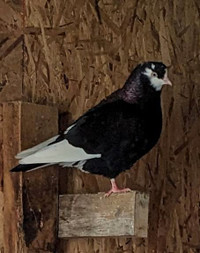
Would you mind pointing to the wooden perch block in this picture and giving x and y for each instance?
(93, 215)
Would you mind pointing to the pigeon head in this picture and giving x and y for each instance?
(155, 74)
(146, 79)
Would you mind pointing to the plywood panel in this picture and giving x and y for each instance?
(11, 74)
(11, 21)
(98, 48)
(11, 47)
(166, 35)
(76, 52)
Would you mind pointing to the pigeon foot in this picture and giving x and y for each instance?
(115, 189)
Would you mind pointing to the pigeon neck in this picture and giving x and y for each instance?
(131, 94)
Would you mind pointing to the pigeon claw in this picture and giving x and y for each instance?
(115, 188)
(117, 191)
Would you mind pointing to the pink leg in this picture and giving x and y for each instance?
(115, 188)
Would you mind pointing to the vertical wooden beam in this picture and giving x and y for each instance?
(12, 184)
(40, 187)
(30, 199)
(1, 179)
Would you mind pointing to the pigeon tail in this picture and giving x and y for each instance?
(29, 167)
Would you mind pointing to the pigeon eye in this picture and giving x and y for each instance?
(154, 74)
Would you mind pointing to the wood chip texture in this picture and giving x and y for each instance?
(73, 53)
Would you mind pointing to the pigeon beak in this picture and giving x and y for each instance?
(167, 81)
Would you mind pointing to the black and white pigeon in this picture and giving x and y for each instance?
(110, 137)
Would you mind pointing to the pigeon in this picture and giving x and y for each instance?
(110, 137)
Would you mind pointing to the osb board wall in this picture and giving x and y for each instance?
(76, 52)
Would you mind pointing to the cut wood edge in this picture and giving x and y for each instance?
(141, 214)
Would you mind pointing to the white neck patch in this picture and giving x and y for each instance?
(156, 82)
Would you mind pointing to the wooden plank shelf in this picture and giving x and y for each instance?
(93, 215)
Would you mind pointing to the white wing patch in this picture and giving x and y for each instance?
(40, 146)
(61, 152)
(36, 148)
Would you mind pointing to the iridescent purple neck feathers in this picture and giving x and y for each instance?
(131, 93)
